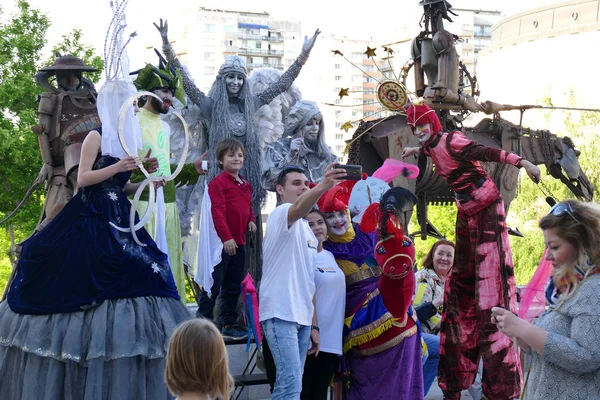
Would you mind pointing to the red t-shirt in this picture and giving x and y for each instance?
(231, 207)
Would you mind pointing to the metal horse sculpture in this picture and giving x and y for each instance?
(387, 137)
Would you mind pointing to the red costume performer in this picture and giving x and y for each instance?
(483, 277)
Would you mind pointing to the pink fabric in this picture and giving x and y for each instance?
(249, 288)
(533, 297)
(391, 168)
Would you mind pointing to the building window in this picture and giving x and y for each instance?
(339, 136)
(209, 70)
(338, 101)
(337, 114)
(338, 77)
(338, 125)
(209, 56)
(338, 66)
(209, 27)
(339, 148)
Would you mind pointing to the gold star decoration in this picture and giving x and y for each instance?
(370, 52)
(337, 52)
(389, 50)
(343, 92)
(346, 127)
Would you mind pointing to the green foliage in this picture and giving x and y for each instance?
(71, 44)
(22, 40)
(444, 219)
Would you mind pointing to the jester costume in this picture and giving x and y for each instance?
(483, 275)
(164, 225)
(382, 344)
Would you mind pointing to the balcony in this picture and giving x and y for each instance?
(260, 52)
(252, 66)
(274, 38)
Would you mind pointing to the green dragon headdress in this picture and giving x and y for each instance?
(165, 76)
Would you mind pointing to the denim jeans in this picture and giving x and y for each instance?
(430, 368)
(289, 344)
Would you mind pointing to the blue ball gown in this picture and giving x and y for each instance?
(90, 312)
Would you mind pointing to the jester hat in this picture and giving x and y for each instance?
(336, 198)
(165, 76)
(422, 114)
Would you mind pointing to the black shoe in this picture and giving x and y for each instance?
(234, 332)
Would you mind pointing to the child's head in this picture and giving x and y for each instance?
(197, 360)
(230, 154)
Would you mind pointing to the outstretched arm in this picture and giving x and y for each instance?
(288, 77)
(466, 149)
(192, 91)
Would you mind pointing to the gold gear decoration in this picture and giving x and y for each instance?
(392, 95)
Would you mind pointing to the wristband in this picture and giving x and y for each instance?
(316, 328)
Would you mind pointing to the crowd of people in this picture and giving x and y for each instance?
(95, 310)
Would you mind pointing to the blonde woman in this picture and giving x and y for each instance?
(197, 366)
(564, 341)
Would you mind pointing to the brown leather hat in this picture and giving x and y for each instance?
(70, 63)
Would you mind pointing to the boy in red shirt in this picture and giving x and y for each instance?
(231, 209)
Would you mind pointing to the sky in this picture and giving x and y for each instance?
(332, 17)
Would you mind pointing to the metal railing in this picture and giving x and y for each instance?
(243, 50)
(246, 36)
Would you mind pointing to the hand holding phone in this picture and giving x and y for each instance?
(353, 172)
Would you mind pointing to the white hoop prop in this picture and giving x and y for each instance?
(149, 181)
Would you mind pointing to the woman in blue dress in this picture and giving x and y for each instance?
(90, 312)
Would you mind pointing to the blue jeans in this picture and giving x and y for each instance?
(430, 368)
(289, 343)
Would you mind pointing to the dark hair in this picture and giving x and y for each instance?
(316, 210)
(227, 145)
(428, 261)
(282, 177)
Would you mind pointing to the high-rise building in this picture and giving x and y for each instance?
(204, 37)
(327, 73)
(474, 28)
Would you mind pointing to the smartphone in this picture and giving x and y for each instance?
(353, 172)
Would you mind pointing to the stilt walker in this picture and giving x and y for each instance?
(483, 277)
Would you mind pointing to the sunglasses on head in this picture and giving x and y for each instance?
(561, 209)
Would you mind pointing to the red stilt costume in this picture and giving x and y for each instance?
(483, 276)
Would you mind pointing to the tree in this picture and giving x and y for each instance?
(71, 44)
(22, 40)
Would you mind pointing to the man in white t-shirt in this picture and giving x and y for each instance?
(287, 288)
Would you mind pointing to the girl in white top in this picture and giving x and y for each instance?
(330, 298)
